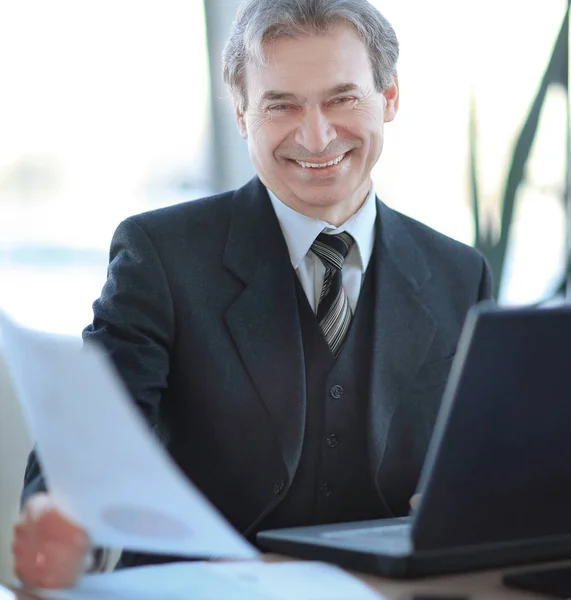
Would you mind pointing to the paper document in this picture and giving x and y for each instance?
(222, 581)
(105, 467)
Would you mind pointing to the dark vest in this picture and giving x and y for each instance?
(333, 482)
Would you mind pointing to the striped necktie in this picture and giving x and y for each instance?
(333, 312)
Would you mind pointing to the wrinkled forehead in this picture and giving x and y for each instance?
(310, 64)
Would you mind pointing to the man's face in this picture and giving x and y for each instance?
(314, 122)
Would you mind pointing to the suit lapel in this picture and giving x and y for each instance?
(264, 319)
(403, 325)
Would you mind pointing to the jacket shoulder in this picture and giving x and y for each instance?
(433, 241)
(194, 214)
(452, 264)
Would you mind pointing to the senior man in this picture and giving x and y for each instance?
(288, 341)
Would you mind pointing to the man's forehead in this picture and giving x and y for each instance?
(306, 75)
(283, 94)
(296, 85)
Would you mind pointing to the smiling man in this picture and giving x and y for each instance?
(288, 341)
(313, 117)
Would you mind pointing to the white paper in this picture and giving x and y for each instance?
(106, 469)
(295, 580)
(222, 581)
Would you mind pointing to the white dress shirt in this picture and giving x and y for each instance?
(300, 232)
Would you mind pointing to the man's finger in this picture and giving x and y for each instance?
(53, 525)
(50, 523)
(52, 566)
(49, 549)
(415, 501)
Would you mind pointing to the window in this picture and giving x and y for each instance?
(494, 53)
(104, 113)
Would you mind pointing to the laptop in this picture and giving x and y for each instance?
(496, 482)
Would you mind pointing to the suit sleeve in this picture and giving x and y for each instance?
(134, 321)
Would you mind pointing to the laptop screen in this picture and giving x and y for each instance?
(499, 462)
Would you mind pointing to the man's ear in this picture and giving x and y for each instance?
(391, 95)
(241, 121)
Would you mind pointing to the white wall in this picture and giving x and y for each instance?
(14, 447)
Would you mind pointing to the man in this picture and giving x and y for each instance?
(289, 341)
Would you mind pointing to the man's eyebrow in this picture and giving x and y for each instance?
(275, 95)
(343, 88)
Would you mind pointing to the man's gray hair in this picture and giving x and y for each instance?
(261, 21)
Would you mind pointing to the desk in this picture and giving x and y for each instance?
(483, 585)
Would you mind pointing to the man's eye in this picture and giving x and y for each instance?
(343, 100)
(279, 107)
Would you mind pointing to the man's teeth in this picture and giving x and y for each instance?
(308, 165)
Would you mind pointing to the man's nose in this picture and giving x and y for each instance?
(315, 132)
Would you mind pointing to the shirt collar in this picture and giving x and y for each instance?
(300, 230)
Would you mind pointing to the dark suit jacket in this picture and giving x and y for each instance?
(199, 313)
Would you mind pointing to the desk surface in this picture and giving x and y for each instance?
(484, 585)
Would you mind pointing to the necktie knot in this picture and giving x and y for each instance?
(332, 249)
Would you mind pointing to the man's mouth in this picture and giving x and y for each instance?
(321, 165)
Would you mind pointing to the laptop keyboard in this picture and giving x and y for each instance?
(377, 532)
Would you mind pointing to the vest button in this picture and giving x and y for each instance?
(336, 391)
(325, 490)
(332, 440)
(279, 487)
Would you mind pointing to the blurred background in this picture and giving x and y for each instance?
(114, 107)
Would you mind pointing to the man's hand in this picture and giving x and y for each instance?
(49, 550)
(415, 501)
